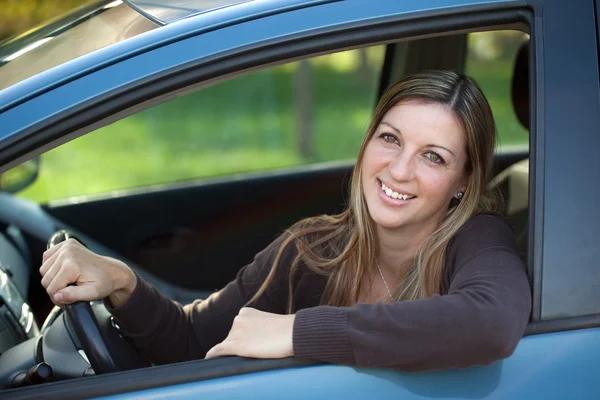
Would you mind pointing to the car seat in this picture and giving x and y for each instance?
(513, 182)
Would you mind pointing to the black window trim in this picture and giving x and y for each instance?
(536, 160)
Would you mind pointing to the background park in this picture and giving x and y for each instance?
(289, 115)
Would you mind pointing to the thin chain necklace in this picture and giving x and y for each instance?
(385, 283)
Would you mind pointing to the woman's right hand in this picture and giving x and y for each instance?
(95, 276)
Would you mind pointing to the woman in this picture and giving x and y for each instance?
(418, 273)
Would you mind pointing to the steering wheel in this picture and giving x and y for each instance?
(87, 330)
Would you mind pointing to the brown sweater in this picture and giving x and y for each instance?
(479, 317)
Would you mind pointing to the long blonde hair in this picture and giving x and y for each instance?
(344, 247)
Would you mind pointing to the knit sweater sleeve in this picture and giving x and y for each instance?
(164, 331)
(479, 320)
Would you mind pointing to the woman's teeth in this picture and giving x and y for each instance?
(394, 195)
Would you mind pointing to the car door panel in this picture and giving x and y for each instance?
(199, 235)
(560, 365)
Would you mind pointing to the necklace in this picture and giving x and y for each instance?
(385, 283)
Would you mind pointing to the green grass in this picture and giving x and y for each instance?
(247, 124)
(494, 79)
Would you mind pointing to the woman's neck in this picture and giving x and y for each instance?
(397, 248)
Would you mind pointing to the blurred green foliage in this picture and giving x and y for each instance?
(251, 123)
(243, 125)
(18, 16)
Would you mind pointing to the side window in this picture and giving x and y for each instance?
(303, 112)
(490, 61)
(499, 62)
(309, 111)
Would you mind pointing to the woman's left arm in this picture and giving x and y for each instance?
(481, 318)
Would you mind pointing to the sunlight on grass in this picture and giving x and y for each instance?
(121, 171)
(347, 61)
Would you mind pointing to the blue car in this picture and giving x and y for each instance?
(182, 136)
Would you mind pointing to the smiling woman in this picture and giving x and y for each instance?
(415, 153)
(418, 253)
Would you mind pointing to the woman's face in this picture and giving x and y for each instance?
(413, 165)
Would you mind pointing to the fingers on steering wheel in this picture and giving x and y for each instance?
(59, 248)
(52, 251)
(48, 262)
(69, 273)
(71, 294)
(49, 274)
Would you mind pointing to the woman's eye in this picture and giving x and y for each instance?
(389, 138)
(434, 157)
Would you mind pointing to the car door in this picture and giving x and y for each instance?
(558, 357)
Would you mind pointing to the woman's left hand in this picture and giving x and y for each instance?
(257, 334)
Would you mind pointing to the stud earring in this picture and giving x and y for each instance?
(460, 194)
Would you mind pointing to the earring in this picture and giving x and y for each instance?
(460, 194)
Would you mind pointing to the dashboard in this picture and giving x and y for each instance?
(30, 354)
(17, 322)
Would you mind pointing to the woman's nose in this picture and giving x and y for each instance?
(402, 167)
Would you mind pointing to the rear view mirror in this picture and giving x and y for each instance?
(21, 176)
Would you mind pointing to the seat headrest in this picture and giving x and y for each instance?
(520, 85)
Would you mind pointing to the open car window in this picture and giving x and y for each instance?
(305, 112)
(285, 137)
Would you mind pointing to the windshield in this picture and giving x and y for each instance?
(88, 29)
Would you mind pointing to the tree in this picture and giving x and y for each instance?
(18, 16)
(303, 96)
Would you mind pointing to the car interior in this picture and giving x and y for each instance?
(191, 238)
(513, 181)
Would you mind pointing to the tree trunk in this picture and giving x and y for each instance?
(303, 94)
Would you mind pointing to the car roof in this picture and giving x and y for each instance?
(195, 24)
(166, 11)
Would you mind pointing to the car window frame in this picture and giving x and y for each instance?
(557, 304)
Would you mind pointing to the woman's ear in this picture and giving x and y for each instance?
(462, 188)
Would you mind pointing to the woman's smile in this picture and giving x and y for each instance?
(393, 196)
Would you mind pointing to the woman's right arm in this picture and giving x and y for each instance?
(161, 329)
